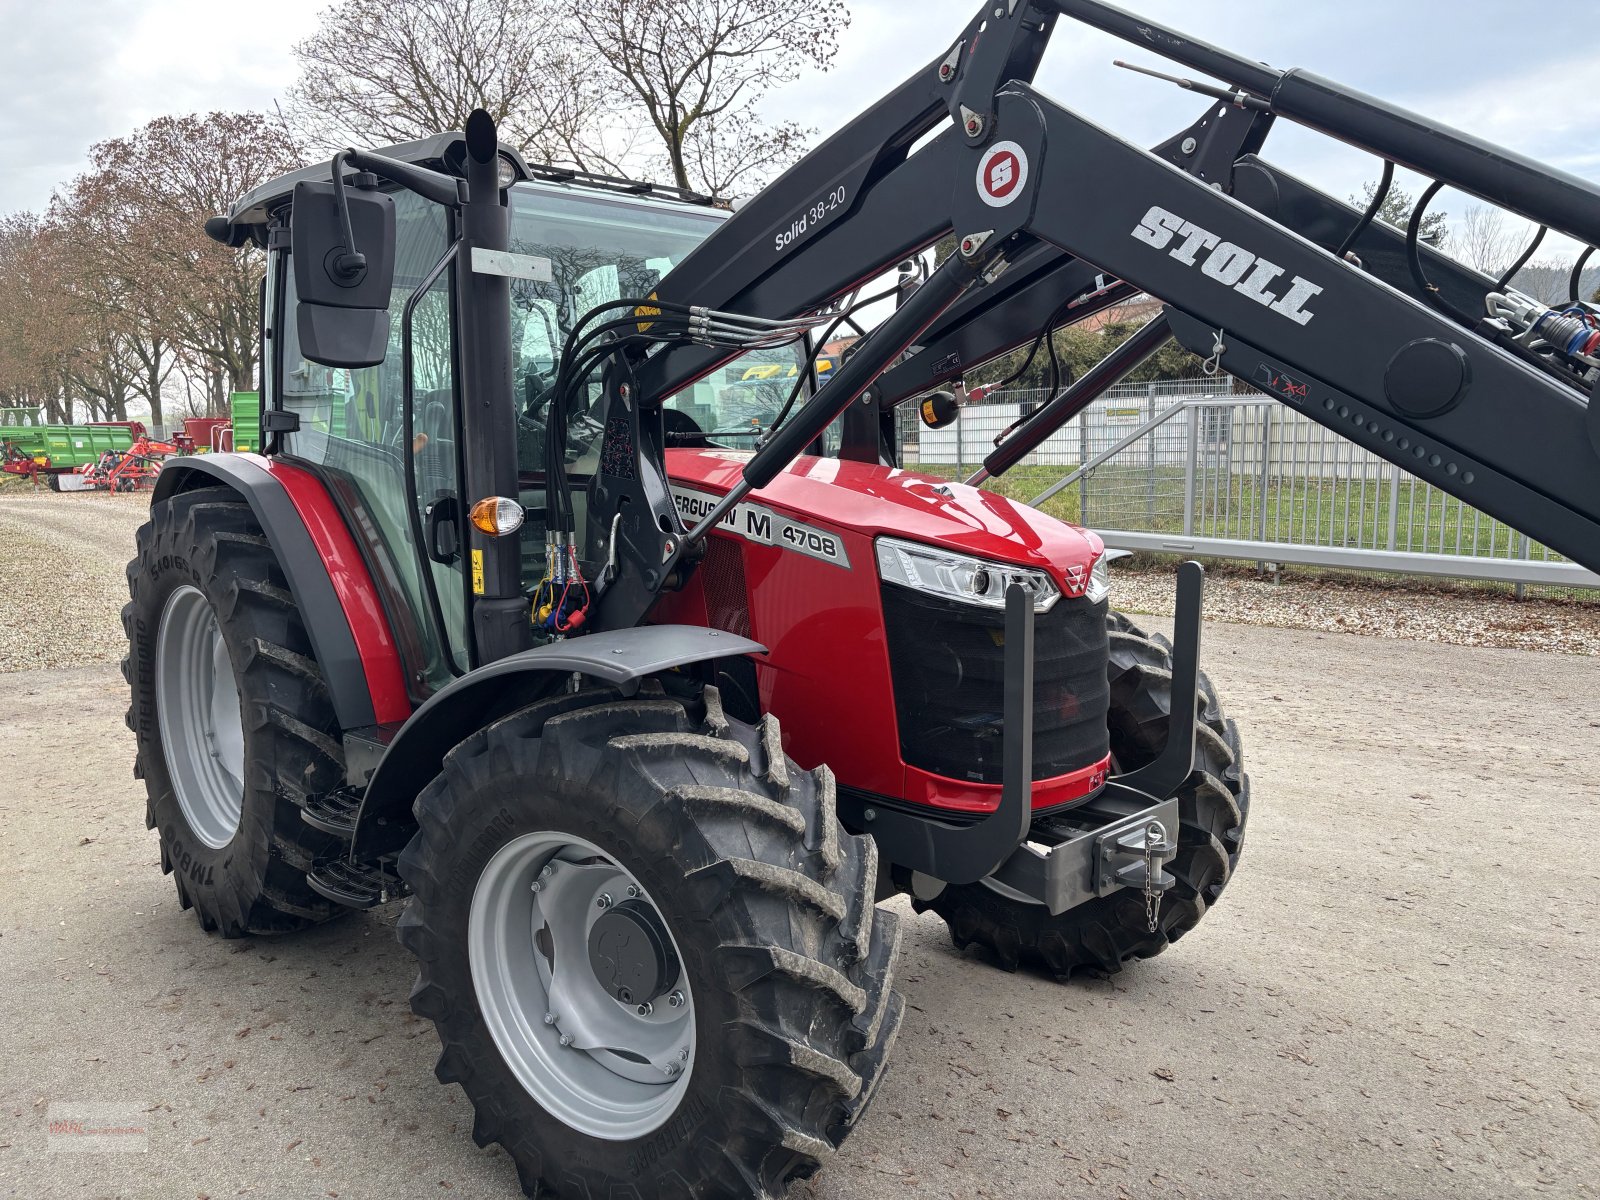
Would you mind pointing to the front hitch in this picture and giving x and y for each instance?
(1126, 834)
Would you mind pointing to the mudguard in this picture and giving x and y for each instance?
(623, 658)
(329, 581)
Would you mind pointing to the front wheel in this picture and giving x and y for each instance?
(1213, 804)
(651, 953)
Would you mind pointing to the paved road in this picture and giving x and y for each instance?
(1397, 997)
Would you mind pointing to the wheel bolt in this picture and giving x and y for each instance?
(676, 999)
(671, 1069)
(566, 1039)
(537, 887)
(605, 900)
(549, 870)
(683, 1055)
(646, 1009)
(633, 889)
(549, 1018)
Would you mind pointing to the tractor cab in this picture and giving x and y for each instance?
(387, 438)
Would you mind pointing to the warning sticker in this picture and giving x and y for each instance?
(477, 572)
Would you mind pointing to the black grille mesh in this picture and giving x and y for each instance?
(727, 594)
(948, 663)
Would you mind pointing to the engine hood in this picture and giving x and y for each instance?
(872, 500)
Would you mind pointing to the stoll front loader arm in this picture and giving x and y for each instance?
(1399, 351)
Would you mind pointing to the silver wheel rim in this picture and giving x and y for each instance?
(197, 708)
(603, 1067)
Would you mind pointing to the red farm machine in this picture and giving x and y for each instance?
(644, 719)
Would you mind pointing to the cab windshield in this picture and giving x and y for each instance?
(602, 249)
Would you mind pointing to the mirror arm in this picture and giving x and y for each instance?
(351, 262)
(430, 185)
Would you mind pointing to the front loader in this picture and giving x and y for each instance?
(569, 602)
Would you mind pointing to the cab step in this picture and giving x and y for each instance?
(357, 885)
(333, 812)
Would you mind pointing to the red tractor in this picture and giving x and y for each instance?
(645, 719)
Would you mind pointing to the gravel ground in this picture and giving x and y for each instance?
(1396, 997)
(1390, 607)
(61, 583)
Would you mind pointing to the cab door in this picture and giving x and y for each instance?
(398, 482)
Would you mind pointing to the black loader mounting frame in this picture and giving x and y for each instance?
(1353, 323)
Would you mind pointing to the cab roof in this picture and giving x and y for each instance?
(446, 152)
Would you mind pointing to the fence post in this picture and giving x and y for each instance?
(1266, 463)
(961, 468)
(1189, 460)
(1394, 503)
(1150, 457)
(1083, 457)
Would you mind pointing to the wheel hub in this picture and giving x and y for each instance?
(631, 953)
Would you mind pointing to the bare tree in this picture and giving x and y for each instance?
(39, 331)
(1485, 240)
(140, 216)
(1396, 208)
(700, 67)
(396, 70)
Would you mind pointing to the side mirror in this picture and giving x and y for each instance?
(342, 314)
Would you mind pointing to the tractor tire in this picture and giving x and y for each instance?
(217, 647)
(1213, 806)
(781, 964)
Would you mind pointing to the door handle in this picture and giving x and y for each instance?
(442, 530)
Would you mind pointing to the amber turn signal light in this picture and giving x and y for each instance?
(495, 516)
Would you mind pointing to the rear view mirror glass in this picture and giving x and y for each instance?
(342, 314)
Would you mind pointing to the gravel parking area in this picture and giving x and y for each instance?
(1390, 607)
(61, 582)
(1395, 998)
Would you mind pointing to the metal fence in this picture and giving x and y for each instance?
(1186, 467)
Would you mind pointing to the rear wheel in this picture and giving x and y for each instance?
(231, 715)
(1213, 805)
(651, 953)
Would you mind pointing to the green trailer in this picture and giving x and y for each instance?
(53, 449)
(246, 408)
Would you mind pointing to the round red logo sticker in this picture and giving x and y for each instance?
(1001, 173)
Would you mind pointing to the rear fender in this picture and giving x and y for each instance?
(332, 588)
(623, 658)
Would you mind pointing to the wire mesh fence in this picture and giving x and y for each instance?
(1239, 475)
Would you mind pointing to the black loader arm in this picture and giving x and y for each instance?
(1044, 203)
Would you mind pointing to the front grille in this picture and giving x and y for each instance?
(948, 665)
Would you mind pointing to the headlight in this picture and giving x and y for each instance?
(1099, 580)
(958, 577)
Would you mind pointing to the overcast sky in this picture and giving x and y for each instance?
(79, 71)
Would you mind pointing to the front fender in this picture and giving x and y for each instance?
(623, 658)
(330, 583)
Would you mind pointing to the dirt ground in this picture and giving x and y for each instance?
(1396, 997)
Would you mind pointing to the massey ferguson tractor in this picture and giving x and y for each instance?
(642, 720)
